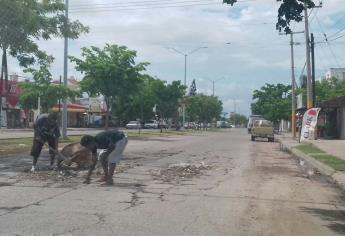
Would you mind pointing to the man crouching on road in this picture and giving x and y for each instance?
(46, 129)
(112, 143)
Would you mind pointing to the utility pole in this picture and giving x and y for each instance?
(293, 93)
(64, 112)
(293, 83)
(310, 96)
(312, 45)
(307, 44)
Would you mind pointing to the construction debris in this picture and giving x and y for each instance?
(178, 172)
(50, 176)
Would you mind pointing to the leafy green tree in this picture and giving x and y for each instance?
(153, 91)
(42, 87)
(238, 119)
(25, 22)
(289, 10)
(169, 99)
(139, 104)
(203, 108)
(325, 90)
(111, 72)
(273, 102)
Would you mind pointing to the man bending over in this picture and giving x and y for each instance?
(112, 144)
(46, 129)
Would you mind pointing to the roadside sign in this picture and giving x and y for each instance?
(309, 123)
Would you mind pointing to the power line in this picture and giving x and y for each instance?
(94, 10)
(340, 19)
(137, 4)
(335, 34)
(146, 5)
(341, 36)
(327, 42)
(122, 3)
(303, 69)
(315, 13)
(322, 57)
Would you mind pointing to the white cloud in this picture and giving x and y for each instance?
(256, 55)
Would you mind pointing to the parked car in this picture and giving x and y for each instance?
(262, 129)
(223, 124)
(190, 125)
(251, 121)
(151, 124)
(163, 124)
(133, 125)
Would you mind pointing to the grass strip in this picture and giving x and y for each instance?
(22, 145)
(329, 160)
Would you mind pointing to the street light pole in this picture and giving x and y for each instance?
(185, 75)
(213, 85)
(185, 70)
(64, 111)
(213, 82)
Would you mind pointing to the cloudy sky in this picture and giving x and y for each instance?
(244, 50)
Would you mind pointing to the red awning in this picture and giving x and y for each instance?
(77, 108)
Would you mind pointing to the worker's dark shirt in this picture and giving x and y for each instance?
(107, 138)
(45, 130)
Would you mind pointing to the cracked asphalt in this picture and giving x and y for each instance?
(248, 188)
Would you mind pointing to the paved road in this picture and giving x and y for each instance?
(244, 188)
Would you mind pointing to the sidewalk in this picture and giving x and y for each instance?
(5, 130)
(333, 147)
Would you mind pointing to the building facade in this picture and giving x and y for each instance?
(338, 73)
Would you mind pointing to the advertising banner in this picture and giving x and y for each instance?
(309, 123)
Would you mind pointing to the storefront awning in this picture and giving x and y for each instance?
(75, 108)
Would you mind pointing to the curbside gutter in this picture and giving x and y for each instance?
(336, 177)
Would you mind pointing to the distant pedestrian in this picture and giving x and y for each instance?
(46, 129)
(112, 144)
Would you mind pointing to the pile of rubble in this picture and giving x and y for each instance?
(51, 176)
(178, 172)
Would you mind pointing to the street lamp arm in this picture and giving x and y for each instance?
(177, 51)
(197, 49)
(219, 79)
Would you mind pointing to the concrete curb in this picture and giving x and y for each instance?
(334, 176)
(324, 169)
